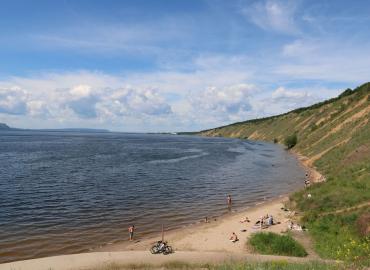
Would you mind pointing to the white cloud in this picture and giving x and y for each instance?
(38, 108)
(282, 94)
(222, 104)
(13, 101)
(220, 90)
(135, 102)
(273, 15)
(282, 100)
(81, 101)
(80, 91)
(325, 59)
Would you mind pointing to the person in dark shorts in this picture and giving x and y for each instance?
(131, 230)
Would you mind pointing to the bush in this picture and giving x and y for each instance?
(291, 141)
(275, 244)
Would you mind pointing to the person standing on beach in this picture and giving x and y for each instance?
(131, 230)
(229, 200)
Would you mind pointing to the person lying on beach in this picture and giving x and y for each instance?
(295, 227)
(246, 219)
(234, 237)
(259, 224)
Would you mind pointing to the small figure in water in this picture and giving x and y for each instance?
(131, 230)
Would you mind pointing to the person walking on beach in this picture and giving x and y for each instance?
(131, 230)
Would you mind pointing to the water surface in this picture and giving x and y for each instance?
(66, 192)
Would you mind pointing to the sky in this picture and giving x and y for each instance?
(175, 65)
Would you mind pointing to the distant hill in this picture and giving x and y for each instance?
(4, 126)
(87, 130)
(335, 137)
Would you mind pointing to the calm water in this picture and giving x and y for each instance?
(70, 192)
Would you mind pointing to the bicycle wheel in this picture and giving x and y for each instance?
(167, 250)
(154, 250)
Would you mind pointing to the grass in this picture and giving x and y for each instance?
(274, 244)
(278, 265)
(273, 265)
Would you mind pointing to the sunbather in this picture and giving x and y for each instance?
(246, 219)
(234, 237)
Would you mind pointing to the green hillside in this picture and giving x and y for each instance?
(335, 137)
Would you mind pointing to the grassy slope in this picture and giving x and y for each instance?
(335, 136)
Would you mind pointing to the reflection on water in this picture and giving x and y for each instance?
(70, 192)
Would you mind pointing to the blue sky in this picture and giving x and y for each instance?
(172, 65)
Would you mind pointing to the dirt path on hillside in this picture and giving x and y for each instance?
(361, 205)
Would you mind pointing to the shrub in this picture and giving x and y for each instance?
(313, 127)
(291, 141)
(275, 244)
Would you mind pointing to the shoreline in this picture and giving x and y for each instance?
(314, 176)
(196, 237)
(172, 234)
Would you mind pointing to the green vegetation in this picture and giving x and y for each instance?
(335, 136)
(291, 141)
(274, 244)
(273, 265)
(277, 265)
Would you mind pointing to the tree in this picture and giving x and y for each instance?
(291, 141)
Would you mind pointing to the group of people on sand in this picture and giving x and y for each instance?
(264, 222)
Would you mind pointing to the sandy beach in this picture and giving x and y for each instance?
(201, 243)
(210, 239)
(214, 236)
